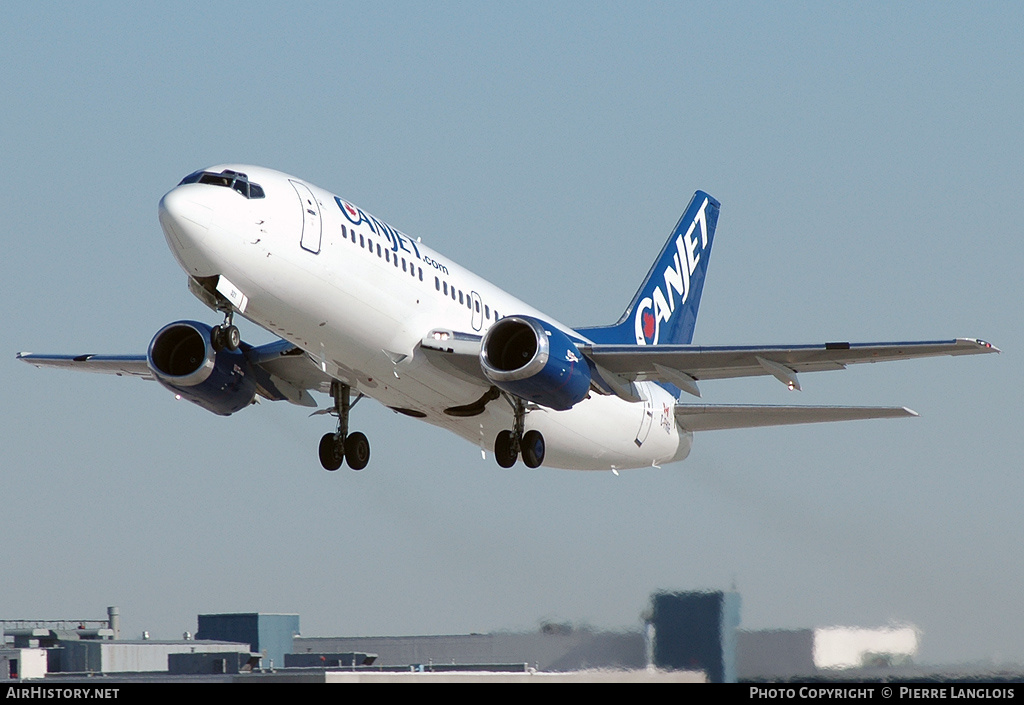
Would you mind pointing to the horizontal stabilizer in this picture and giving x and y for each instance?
(701, 417)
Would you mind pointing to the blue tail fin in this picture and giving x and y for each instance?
(664, 310)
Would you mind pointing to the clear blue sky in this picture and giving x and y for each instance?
(868, 160)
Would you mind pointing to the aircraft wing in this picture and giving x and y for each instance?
(455, 353)
(702, 417)
(284, 372)
(684, 365)
(120, 365)
(287, 372)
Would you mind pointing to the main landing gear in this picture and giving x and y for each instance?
(509, 444)
(336, 448)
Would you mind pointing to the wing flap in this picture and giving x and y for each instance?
(702, 417)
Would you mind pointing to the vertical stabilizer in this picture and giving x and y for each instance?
(664, 310)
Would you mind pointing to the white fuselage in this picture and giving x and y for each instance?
(359, 296)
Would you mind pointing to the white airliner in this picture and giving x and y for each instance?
(362, 309)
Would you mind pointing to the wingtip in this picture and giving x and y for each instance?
(984, 345)
(911, 412)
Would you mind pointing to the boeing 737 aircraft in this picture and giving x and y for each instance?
(362, 309)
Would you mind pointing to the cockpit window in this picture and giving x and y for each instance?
(216, 180)
(191, 178)
(232, 179)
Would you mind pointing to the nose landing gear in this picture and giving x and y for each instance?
(226, 335)
(336, 448)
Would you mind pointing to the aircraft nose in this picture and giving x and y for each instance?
(185, 220)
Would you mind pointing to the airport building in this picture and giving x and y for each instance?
(685, 637)
(239, 643)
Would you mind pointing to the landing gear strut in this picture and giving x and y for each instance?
(509, 444)
(337, 447)
(226, 335)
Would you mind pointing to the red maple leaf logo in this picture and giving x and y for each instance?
(648, 321)
(350, 209)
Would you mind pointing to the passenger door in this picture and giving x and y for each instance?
(312, 225)
(478, 311)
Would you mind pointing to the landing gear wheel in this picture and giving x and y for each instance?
(217, 338)
(225, 337)
(533, 449)
(232, 338)
(357, 450)
(504, 451)
(330, 457)
(337, 447)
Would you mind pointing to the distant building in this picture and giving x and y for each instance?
(136, 656)
(775, 654)
(267, 634)
(856, 647)
(696, 631)
(686, 632)
(552, 648)
(22, 664)
(808, 652)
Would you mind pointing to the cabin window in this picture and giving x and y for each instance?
(487, 312)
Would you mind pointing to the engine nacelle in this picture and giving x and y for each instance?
(183, 359)
(535, 361)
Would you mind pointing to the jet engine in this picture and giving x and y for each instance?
(535, 361)
(184, 359)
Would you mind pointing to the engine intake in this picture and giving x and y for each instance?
(533, 360)
(183, 359)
